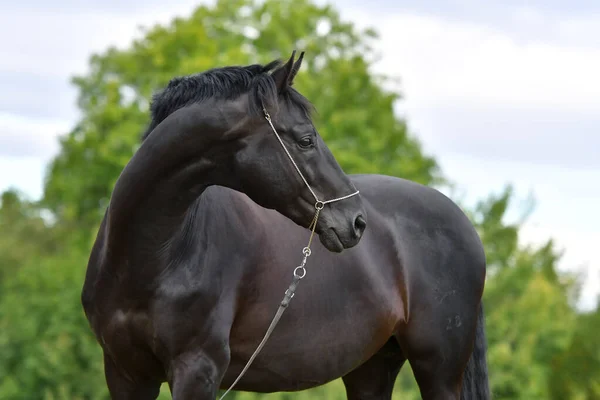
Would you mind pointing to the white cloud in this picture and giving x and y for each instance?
(449, 64)
(62, 41)
(24, 174)
(26, 137)
(582, 31)
(442, 61)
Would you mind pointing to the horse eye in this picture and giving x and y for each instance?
(306, 141)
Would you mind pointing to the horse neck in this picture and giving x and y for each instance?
(157, 187)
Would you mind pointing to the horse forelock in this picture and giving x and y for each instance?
(223, 83)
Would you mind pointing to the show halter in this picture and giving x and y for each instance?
(299, 271)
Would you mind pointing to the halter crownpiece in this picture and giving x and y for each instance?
(299, 271)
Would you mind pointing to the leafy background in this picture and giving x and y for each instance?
(540, 345)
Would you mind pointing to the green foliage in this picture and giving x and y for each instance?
(580, 361)
(47, 350)
(539, 346)
(355, 115)
(529, 316)
(23, 233)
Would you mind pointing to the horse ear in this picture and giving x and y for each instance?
(295, 69)
(282, 74)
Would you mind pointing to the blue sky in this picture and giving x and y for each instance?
(499, 91)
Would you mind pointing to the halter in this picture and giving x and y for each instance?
(299, 271)
(319, 204)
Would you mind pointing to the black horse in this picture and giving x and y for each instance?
(207, 222)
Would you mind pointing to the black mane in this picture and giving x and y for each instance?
(223, 83)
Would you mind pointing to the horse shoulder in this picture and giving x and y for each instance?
(430, 230)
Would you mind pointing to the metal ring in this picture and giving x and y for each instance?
(306, 251)
(319, 205)
(297, 275)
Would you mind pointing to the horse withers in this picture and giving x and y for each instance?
(207, 222)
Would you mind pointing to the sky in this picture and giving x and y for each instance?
(500, 92)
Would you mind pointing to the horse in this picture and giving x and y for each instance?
(203, 230)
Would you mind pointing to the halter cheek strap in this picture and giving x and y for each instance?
(319, 203)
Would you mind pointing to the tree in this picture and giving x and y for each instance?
(355, 118)
(529, 315)
(24, 232)
(47, 350)
(576, 370)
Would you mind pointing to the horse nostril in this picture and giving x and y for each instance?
(359, 225)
